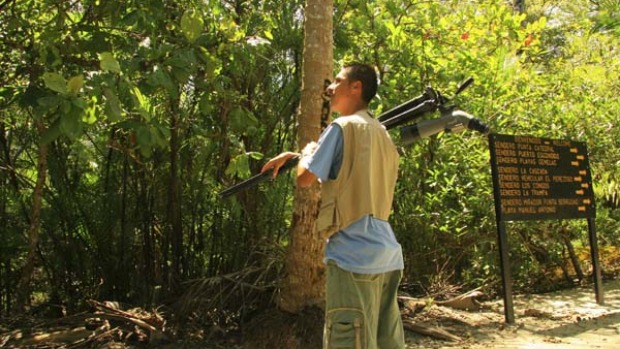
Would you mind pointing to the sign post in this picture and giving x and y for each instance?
(539, 179)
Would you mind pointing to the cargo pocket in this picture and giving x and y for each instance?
(327, 223)
(345, 329)
(327, 219)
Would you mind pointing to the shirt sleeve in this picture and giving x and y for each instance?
(326, 160)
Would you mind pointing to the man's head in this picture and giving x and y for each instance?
(364, 74)
(354, 87)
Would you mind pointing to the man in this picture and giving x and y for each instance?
(357, 164)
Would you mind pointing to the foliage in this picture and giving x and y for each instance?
(151, 107)
(532, 76)
(134, 95)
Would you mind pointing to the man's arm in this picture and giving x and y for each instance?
(321, 164)
(305, 178)
(276, 162)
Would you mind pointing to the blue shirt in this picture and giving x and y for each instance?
(368, 245)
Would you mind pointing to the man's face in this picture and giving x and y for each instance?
(343, 92)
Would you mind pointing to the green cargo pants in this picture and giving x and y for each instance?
(361, 310)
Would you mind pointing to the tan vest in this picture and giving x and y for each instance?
(366, 180)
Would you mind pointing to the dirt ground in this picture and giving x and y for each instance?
(564, 319)
(568, 319)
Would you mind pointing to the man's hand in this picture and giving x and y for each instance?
(277, 162)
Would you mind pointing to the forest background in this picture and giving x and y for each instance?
(121, 121)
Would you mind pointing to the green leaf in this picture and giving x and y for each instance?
(144, 106)
(212, 64)
(70, 123)
(50, 102)
(80, 103)
(191, 25)
(239, 166)
(241, 120)
(109, 63)
(90, 116)
(113, 107)
(145, 140)
(51, 133)
(75, 83)
(158, 134)
(230, 28)
(255, 155)
(143, 134)
(55, 82)
(160, 78)
(181, 74)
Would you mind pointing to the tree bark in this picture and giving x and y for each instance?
(564, 235)
(23, 287)
(304, 284)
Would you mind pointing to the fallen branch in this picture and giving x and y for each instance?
(73, 337)
(414, 305)
(431, 331)
(98, 335)
(466, 301)
(155, 331)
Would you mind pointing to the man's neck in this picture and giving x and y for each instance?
(354, 107)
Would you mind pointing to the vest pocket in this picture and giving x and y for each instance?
(327, 220)
(345, 329)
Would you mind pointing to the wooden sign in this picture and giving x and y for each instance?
(537, 178)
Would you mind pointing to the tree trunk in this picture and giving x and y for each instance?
(23, 287)
(175, 228)
(304, 284)
(564, 235)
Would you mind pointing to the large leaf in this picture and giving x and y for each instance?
(160, 78)
(109, 63)
(239, 166)
(71, 120)
(90, 114)
(191, 25)
(113, 107)
(50, 102)
(143, 103)
(75, 83)
(241, 120)
(55, 82)
(51, 133)
(145, 139)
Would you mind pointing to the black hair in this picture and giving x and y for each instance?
(366, 75)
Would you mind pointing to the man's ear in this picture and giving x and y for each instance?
(357, 87)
